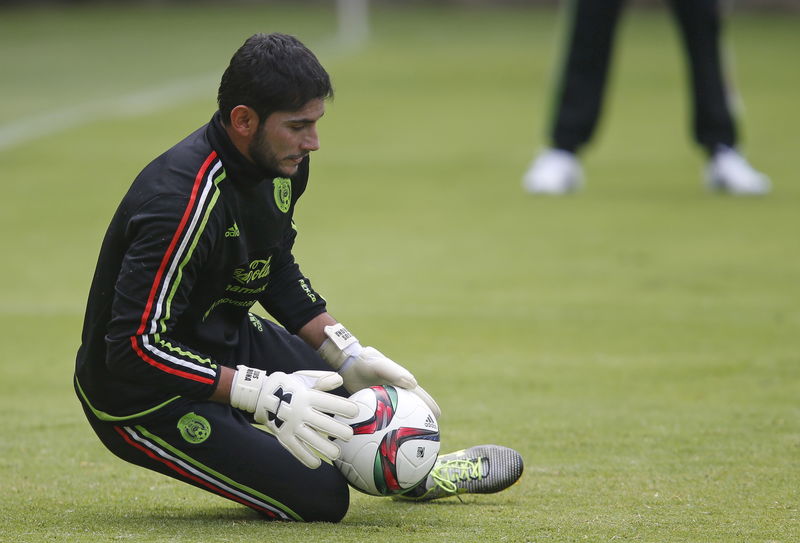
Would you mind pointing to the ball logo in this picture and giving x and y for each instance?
(194, 428)
(283, 193)
(385, 468)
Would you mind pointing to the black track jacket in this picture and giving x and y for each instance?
(199, 238)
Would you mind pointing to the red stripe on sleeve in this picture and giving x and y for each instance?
(168, 254)
(168, 369)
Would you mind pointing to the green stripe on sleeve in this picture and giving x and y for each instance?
(190, 252)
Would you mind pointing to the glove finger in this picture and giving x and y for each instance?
(327, 425)
(429, 401)
(329, 381)
(320, 380)
(300, 451)
(388, 370)
(315, 440)
(398, 377)
(330, 403)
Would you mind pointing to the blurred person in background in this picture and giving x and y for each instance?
(579, 97)
(174, 369)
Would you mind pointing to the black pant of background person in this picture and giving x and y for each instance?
(583, 81)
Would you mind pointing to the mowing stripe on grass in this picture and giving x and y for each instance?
(138, 103)
(134, 104)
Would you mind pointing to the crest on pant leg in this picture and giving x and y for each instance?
(194, 428)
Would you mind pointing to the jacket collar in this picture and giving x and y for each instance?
(237, 167)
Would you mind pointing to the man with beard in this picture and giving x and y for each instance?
(174, 368)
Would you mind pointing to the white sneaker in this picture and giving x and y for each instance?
(554, 171)
(730, 172)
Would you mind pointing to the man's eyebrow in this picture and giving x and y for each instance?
(303, 120)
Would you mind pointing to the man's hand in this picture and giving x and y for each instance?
(363, 367)
(296, 409)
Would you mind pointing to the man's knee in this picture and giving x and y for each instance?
(328, 501)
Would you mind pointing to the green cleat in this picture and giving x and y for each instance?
(482, 469)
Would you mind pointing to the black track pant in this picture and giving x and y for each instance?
(216, 448)
(583, 80)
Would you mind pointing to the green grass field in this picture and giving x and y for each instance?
(638, 342)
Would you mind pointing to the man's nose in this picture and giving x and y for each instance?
(311, 141)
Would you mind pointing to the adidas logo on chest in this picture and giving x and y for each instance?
(233, 231)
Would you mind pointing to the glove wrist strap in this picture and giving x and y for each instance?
(246, 388)
(339, 346)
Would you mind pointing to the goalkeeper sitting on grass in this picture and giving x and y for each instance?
(173, 368)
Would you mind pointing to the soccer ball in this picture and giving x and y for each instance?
(395, 441)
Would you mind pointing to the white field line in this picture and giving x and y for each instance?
(137, 103)
(144, 101)
(42, 309)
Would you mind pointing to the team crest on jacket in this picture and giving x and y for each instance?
(283, 193)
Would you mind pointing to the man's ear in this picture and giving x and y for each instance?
(244, 121)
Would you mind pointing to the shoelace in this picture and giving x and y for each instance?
(462, 470)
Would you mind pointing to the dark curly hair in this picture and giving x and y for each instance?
(269, 73)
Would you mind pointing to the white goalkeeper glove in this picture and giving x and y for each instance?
(296, 409)
(363, 367)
